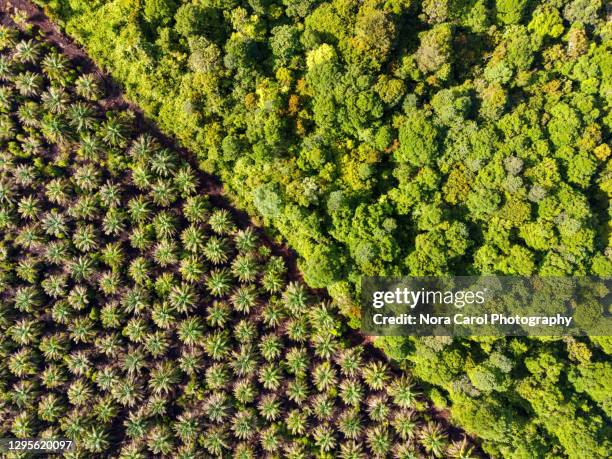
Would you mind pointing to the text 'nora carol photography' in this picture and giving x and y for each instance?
(486, 306)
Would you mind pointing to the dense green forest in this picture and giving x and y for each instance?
(384, 137)
(139, 319)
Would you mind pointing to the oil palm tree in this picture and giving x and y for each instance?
(324, 438)
(269, 407)
(82, 329)
(163, 192)
(433, 439)
(82, 267)
(29, 114)
(157, 343)
(87, 177)
(244, 391)
(324, 376)
(160, 440)
(219, 282)
(190, 361)
(404, 423)
(135, 300)
(28, 84)
(23, 425)
(165, 225)
(215, 440)
(403, 392)
(112, 254)
(183, 298)
(139, 209)
(244, 298)
(85, 238)
(190, 331)
(245, 331)
(143, 147)
(27, 52)
(351, 449)
(191, 269)
(196, 209)
(51, 407)
(54, 223)
(8, 37)
(378, 441)
(244, 268)
(273, 314)
(55, 100)
(349, 422)
(56, 191)
(110, 344)
(217, 344)
(297, 361)
(162, 162)
(90, 147)
(187, 427)
(113, 222)
(461, 450)
(351, 392)
(349, 360)
(105, 409)
(114, 130)
(55, 130)
(216, 250)
(127, 391)
(6, 70)
(54, 285)
(218, 314)
(7, 128)
(216, 407)
(185, 181)
(54, 346)
(24, 175)
(375, 374)
(88, 87)
(79, 392)
(378, 408)
(322, 407)
(57, 68)
(106, 378)
(164, 315)
(270, 376)
(295, 298)
(297, 329)
(295, 450)
(244, 424)
(141, 237)
(297, 422)
(269, 439)
(193, 239)
(221, 222)
(81, 117)
(297, 390)
(246, 240)
(325, 344)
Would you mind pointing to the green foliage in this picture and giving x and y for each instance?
(417, 137)
(139, 319)
(510, 11)
(475, 132)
